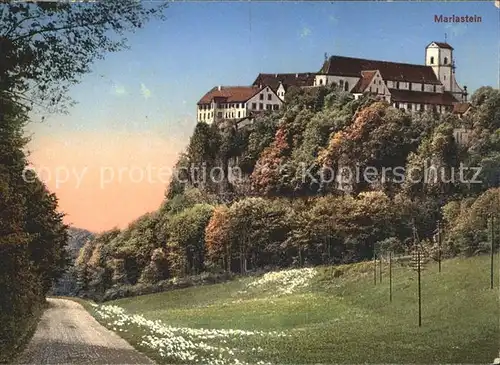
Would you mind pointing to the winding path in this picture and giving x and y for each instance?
(68, 334)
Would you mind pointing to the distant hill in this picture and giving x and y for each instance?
(77, 238)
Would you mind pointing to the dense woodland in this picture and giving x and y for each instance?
(273, 218)
(44, 49)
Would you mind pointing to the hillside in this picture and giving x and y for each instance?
(277, 194)
(320, 315)
(77, 239)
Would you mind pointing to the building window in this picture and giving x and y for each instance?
(261, 106)
(422, 87)
(268, 107)
(376, 90)
(346, 86)
(434, 88)
(341, 83)
(410, 86)
(444, 77)
(446, 60)
(321, 81)
(276, 106)
(261, 96)
(254, 106)
(219, 115)
(432, 60)
(211, 114)
(422, 107)
(397, 85)
(238, 114)
(269, 96)
(396, 104)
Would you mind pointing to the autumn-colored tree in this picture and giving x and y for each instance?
(266, 177)
(218, 238)
(468, 229)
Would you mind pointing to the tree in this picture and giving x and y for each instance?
(266, 177)
(186, 246)
(33, 35)
(218, 239)
(50, 234)
(467, 224)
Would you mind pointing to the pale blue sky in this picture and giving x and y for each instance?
(155, 84)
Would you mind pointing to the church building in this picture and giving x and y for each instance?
(411, 87)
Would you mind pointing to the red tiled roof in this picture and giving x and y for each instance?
(461, 108)
(364, 81)
(230, 94)
(442, 45)
(348, 66)
(422, 97)
(273, 80)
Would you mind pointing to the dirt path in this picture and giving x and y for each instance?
(68, 334)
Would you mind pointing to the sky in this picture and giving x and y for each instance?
(108, 160)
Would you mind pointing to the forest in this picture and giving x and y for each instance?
(45, 48)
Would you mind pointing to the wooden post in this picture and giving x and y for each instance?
(374, 268)
(439, 245)
(492, 238)
(390, 276)
(419, 291)
(380, 267)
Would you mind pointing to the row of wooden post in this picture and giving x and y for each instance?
(439, 240)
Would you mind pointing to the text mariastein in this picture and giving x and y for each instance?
(457, 19)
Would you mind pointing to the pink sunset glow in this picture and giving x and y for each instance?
(104, 180)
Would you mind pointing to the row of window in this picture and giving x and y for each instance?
(269, 96)
(261, 106)
(206, 116)
(342, 85)
(239, 114)
(415, 86)
(420, 107)
(222, 106)
(445, 60)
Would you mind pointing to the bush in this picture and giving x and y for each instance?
(124, 291)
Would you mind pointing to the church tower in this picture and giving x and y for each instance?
(439, 56)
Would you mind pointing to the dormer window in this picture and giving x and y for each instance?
(432, 60)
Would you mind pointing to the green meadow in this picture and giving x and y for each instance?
(334, 314)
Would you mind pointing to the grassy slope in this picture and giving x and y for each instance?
(349, 319)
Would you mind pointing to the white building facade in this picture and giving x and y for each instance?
(236, 103)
